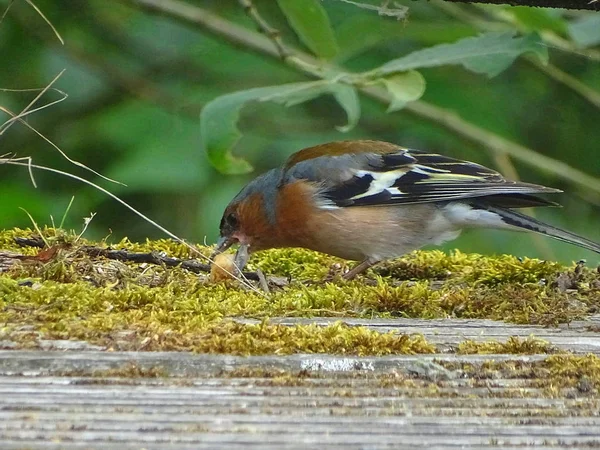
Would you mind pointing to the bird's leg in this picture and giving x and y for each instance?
(359, 268)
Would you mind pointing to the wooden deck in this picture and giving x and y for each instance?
(74, 396)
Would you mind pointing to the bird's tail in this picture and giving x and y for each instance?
(513, 218)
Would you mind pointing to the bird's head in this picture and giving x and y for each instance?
(249, 219)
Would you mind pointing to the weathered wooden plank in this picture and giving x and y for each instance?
(200, 406)
(127, 419)
(257, 398)
(276, 446)
(446, 323)
(52, 400)
(36, 363)
(293, 440)
(577, 337)
(335, 437)
(446, 334)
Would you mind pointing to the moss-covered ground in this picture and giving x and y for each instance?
(64, 293)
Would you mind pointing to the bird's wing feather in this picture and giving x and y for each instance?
(394, 175)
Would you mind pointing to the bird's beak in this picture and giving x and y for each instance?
(241, 256)
(222, 244)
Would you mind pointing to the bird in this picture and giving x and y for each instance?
(371, 201)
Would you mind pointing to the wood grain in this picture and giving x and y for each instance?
(68, 397)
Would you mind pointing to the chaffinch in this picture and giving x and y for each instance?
(370, 201)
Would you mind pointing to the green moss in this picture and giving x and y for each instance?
(7, 240)
(472, 268)
(129, 370)
(297, 263)
(513, 345)
(170, 247)
(93, 298)
(179, 314)
(138, 322)
(570, 371)
(558, 375)
(231, 337)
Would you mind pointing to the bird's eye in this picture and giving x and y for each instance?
(232, 220)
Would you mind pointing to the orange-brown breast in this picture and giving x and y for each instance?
(295, 209)
(353, 233)
(255, 225)
(361, 232)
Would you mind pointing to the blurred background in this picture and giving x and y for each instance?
(137, 82)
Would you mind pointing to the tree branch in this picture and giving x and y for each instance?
(593, 5)
(250, 40)
(265, 28)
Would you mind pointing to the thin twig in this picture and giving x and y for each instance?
(10, 3)
(56, 147)
(138, 85)
(398, 11)
(262, 280)
(6, 125)
(192, 265)
(587, 93)
(138, 213)
(56, 33)
(5, 159)
(263, 26)
(505, 165)
(563, 4)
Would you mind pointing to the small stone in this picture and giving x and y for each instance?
(585, 385)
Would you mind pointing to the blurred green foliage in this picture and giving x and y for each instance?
(137, 83)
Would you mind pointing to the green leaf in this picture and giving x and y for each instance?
(586, 32)
(489, 53)
(218, 119)
(347, 98)
(404, 87)
(309, 20)
(538, 19)
(296, 93)
(345, 95)
(374, 31)
(218, 131)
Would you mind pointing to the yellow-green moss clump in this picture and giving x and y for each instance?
(513, 345)
(557, 375)
(66, 293)
(570, 371)
(139, 318)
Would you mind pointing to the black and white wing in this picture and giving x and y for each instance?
(404, 176)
